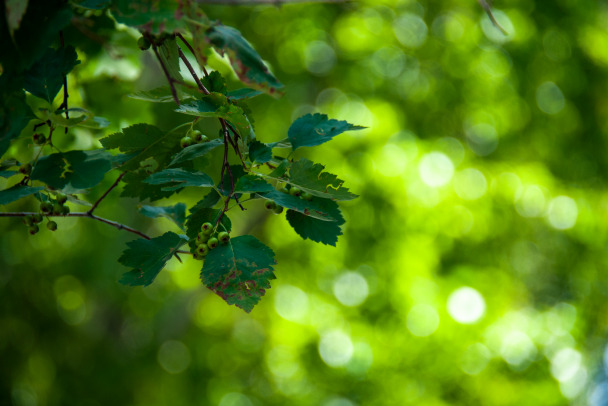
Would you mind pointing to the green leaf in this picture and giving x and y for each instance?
(15, 114)
(176, 213)
(7, 174)
(245, 61)
(45, 78)
(73, 170)
(312, 208)
(148, 257)
(215, 82)
(135, 187)
(259, 152)
(315, 129)
(17, 192)
(243, 94)
(208, 201)
(240, 271)
(180, 178)
(170, 57)
(78, 118)
(218, 105)
(144, 141)
(252, 184)
(325, 232)
(310, 178)
(15, 9)
(153, 16)
(195, 151)
(204, 215)
(38, 30)
(93, 4)
(160, 95)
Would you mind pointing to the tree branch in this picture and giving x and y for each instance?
(169, 78)
(106, 193)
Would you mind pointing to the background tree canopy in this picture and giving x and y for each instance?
(472, 269)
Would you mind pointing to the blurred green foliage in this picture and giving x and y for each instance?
(472, 269)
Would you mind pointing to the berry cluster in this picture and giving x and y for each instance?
(207, 240)
(193, 137)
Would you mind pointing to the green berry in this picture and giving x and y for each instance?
(202, 249)
(61, 198)
(25, 169)
(207, 228)
(212, 243)
(57, 209)
(37, 218)
(39, 139)
(143, 43)
(28, 220)
(224, 237)
(51, 225)
(185, 142)
(278, 210)
(46, 207)
(65, 210)
(198, 256)
(202, 237)
(270, 205)
(284, 190)
(33, 229)
(294, 191)
(306, 196)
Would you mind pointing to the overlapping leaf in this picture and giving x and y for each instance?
(175, 213)
(170, 57)
(245, 61)
(137, 188)
(252, 184)
(148, 258)
(144, 141)
(154, 16)
(259, 152)
(312, 208)
(179, 178)
(218, 105)
(45, 78)
(310, 178)
(195, 151)
(73, 170)
(17, 192)
(315, 129)
(15, 114)
(240, 271)
(325, 232)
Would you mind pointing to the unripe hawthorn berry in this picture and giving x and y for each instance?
(39, 139)
(143, 43)
(224, 237)
(57, 209)
(46, 207)
(185, 142)
(37, 218)
(25, 169)
(61, 198)
(28, 220)
(306, 196)
(33, 229)
(212, 243)
(207, 228)
(294, 191)
(65, 210)
(51, 225)
(202, 237)
(270, 205)
(202, 249)
(278, 210)
(284, 190)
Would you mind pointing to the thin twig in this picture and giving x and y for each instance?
(107, 192)
(169, 78)
(192, 72)
(192, 50)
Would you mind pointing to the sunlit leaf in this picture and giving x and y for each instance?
(240, 271)
(325, 232)
(315, 129)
